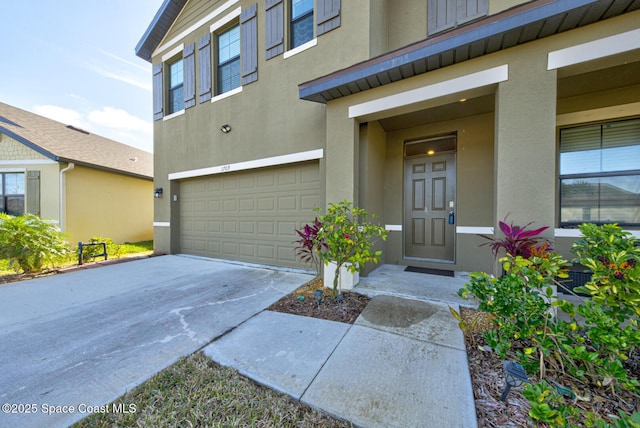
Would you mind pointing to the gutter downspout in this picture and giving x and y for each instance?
(63, 195)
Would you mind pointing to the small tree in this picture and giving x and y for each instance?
(30, 242)
(349, 238)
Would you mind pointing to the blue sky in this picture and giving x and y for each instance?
(74, 61)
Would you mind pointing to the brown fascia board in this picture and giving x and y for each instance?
(484, 28)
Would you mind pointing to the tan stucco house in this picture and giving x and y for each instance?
(439, 116)
(87, 184)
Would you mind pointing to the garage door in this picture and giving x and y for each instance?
(249, 216)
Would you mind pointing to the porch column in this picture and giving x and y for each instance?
(525, 142)
(341, 154)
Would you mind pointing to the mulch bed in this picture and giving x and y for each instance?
(345, 311)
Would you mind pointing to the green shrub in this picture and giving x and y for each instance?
(521, 301)
(608, 330)
(589, 350)
(348, 238)
(29, 242)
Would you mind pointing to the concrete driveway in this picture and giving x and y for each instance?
(76, 341)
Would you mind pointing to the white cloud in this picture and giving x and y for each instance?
(144, 84)
(63, 115)
(116, 124)
(119, 119)
(146, 69)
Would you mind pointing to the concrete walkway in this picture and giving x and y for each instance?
(76, 341)
(81, 339)
(402, 364)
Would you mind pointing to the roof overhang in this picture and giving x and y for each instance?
(159, 27)
(521, 24)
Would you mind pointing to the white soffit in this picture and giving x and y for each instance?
(252, 164)
(600, 48)
(448, 87)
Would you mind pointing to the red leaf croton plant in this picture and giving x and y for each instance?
(517, 240)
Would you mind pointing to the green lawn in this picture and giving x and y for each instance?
(196, 392)
(128, 249)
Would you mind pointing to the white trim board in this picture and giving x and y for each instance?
(252, 164)
(222, 22)
(476, 80)
(161, 224)
(474, 230)
(575, 233)
(173, 52)
(600, 48)
(195, 26)
(303, 47)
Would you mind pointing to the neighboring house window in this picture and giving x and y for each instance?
(12, 193)
(600, 174)
(301, 29)
(176, 84)
(445, 14)
(228, 75)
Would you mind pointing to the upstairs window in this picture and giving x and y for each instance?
(600, 174)
(301, 30)
(299, 24)
(228, 75)
(12, 193)
(176, 84)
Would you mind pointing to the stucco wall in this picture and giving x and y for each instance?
(108, 205)
(267, 118)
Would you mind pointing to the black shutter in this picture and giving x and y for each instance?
(157, 91)
(204, 68)
(249, 44)
(275, 27)
(33, 192)
(189, 64)
(327, 16)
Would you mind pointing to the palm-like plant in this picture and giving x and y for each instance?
(517, 241)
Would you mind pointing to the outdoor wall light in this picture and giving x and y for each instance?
(514, 375)
(157, 193)
(225, 128)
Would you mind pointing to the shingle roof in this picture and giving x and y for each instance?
(65, 143)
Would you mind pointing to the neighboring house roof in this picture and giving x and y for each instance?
(65, 143)
(520, 24)
(159, 27)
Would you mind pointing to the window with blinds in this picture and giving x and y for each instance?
(599, 174)
(12, 193)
